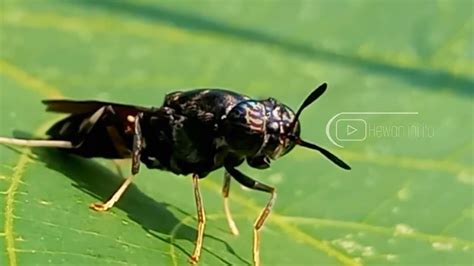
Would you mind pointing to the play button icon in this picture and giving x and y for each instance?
(351, 130)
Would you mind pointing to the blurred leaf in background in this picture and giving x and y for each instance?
(408, 199)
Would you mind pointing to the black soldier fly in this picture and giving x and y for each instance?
(194, 132)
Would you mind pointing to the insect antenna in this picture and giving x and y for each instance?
(333, 158)
(308, 101)
(37, 143)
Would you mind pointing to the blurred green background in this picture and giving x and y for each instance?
(408, 199)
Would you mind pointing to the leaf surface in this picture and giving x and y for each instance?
(408, 199)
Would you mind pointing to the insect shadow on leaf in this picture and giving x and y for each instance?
(155, 217)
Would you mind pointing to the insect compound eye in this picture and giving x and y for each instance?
(287, 142)
(273, 127)
(278, 129)
(244, 127)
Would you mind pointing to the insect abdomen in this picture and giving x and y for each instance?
(104, 139)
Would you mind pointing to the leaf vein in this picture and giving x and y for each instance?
(58, 252)
(291, 230)
(377, 229)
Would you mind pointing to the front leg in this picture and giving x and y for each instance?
(225, 194)
(136, 152)
(253, 184)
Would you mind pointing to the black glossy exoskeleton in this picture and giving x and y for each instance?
(194, 132)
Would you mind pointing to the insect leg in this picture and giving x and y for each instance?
(225, 193)
(117, 163)
(253, 184)
(201, 221)
(136, 152)
(87, 125)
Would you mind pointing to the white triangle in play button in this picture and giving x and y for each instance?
(351, 130)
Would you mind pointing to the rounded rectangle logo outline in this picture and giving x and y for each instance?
(328, 124)
(351, 120)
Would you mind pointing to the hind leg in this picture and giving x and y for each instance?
(136, 152)
(108, 118)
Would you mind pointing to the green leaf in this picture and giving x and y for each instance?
(408, 199)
